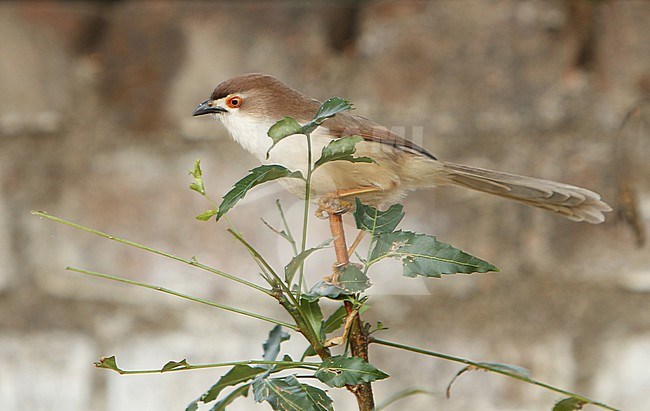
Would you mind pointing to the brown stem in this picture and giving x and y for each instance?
(358, 333)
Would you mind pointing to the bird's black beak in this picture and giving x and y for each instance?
(207, 107)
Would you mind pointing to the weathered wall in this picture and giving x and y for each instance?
(96, 126)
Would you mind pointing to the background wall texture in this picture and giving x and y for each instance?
(96, 126)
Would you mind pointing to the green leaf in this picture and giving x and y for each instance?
(339, 371)
(236, 375)
(341, 150)
(272, 345)
(323, 289)
(380, 327)
(335, 320)
(331, 107)
(175, 365)
(313, 314)
(352, 279)
(207, 215)
(376, 222)
(569, 404)
(295, 263)
(286, 127)
(424, 255)
(256, 176)
(320, 399)
(328, 109)
(288, 394)
(197, 185)
(109, 363)
(234, 394)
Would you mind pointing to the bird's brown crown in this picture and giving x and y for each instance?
(267, 96)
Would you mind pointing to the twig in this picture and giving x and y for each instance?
(487, 367)
(192, 261)
(184, 296)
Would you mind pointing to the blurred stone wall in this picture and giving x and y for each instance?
(96, 126)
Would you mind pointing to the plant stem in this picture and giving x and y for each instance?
(289, 237)
(304, 327)
(185, 367)
(265, 265)
(487, 367)
(192, 262)
(184, 296)
(288, 301)
(305, 217)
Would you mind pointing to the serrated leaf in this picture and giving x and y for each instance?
(196, 172)
(387, 243)
(288, 394)
(272, 345)
(110, 363)
(323, 289)
(569, 404)
(330, 107)
(234, 394)
(295, 263)
(509, 368)
(237, 375)
(206, 215)
(341, 150)
(175, 365)
(256, 176)
(313, 314)
(352, 279)
(376, 222)
(339, 371)
(286, 127)
(426, 256)
(320, 399)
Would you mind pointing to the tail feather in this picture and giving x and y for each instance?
(574, 203)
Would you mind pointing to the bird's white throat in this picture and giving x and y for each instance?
(291, 152)
(249, 132)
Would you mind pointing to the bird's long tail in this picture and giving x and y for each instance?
(574, 203)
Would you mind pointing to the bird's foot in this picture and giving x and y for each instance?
(332, 204)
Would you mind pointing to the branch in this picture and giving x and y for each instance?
(494, 369)
(192, 262)
(184, 296)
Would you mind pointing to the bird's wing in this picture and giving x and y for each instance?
(343, 125)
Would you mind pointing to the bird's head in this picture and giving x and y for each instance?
(257, 96)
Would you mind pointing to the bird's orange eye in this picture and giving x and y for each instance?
(234, 101)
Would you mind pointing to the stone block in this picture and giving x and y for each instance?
(46, 370)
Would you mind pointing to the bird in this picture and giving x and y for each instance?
(248, 105)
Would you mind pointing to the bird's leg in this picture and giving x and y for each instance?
(357, 332)
(332, 205)
(356, 242)
(332, 208)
